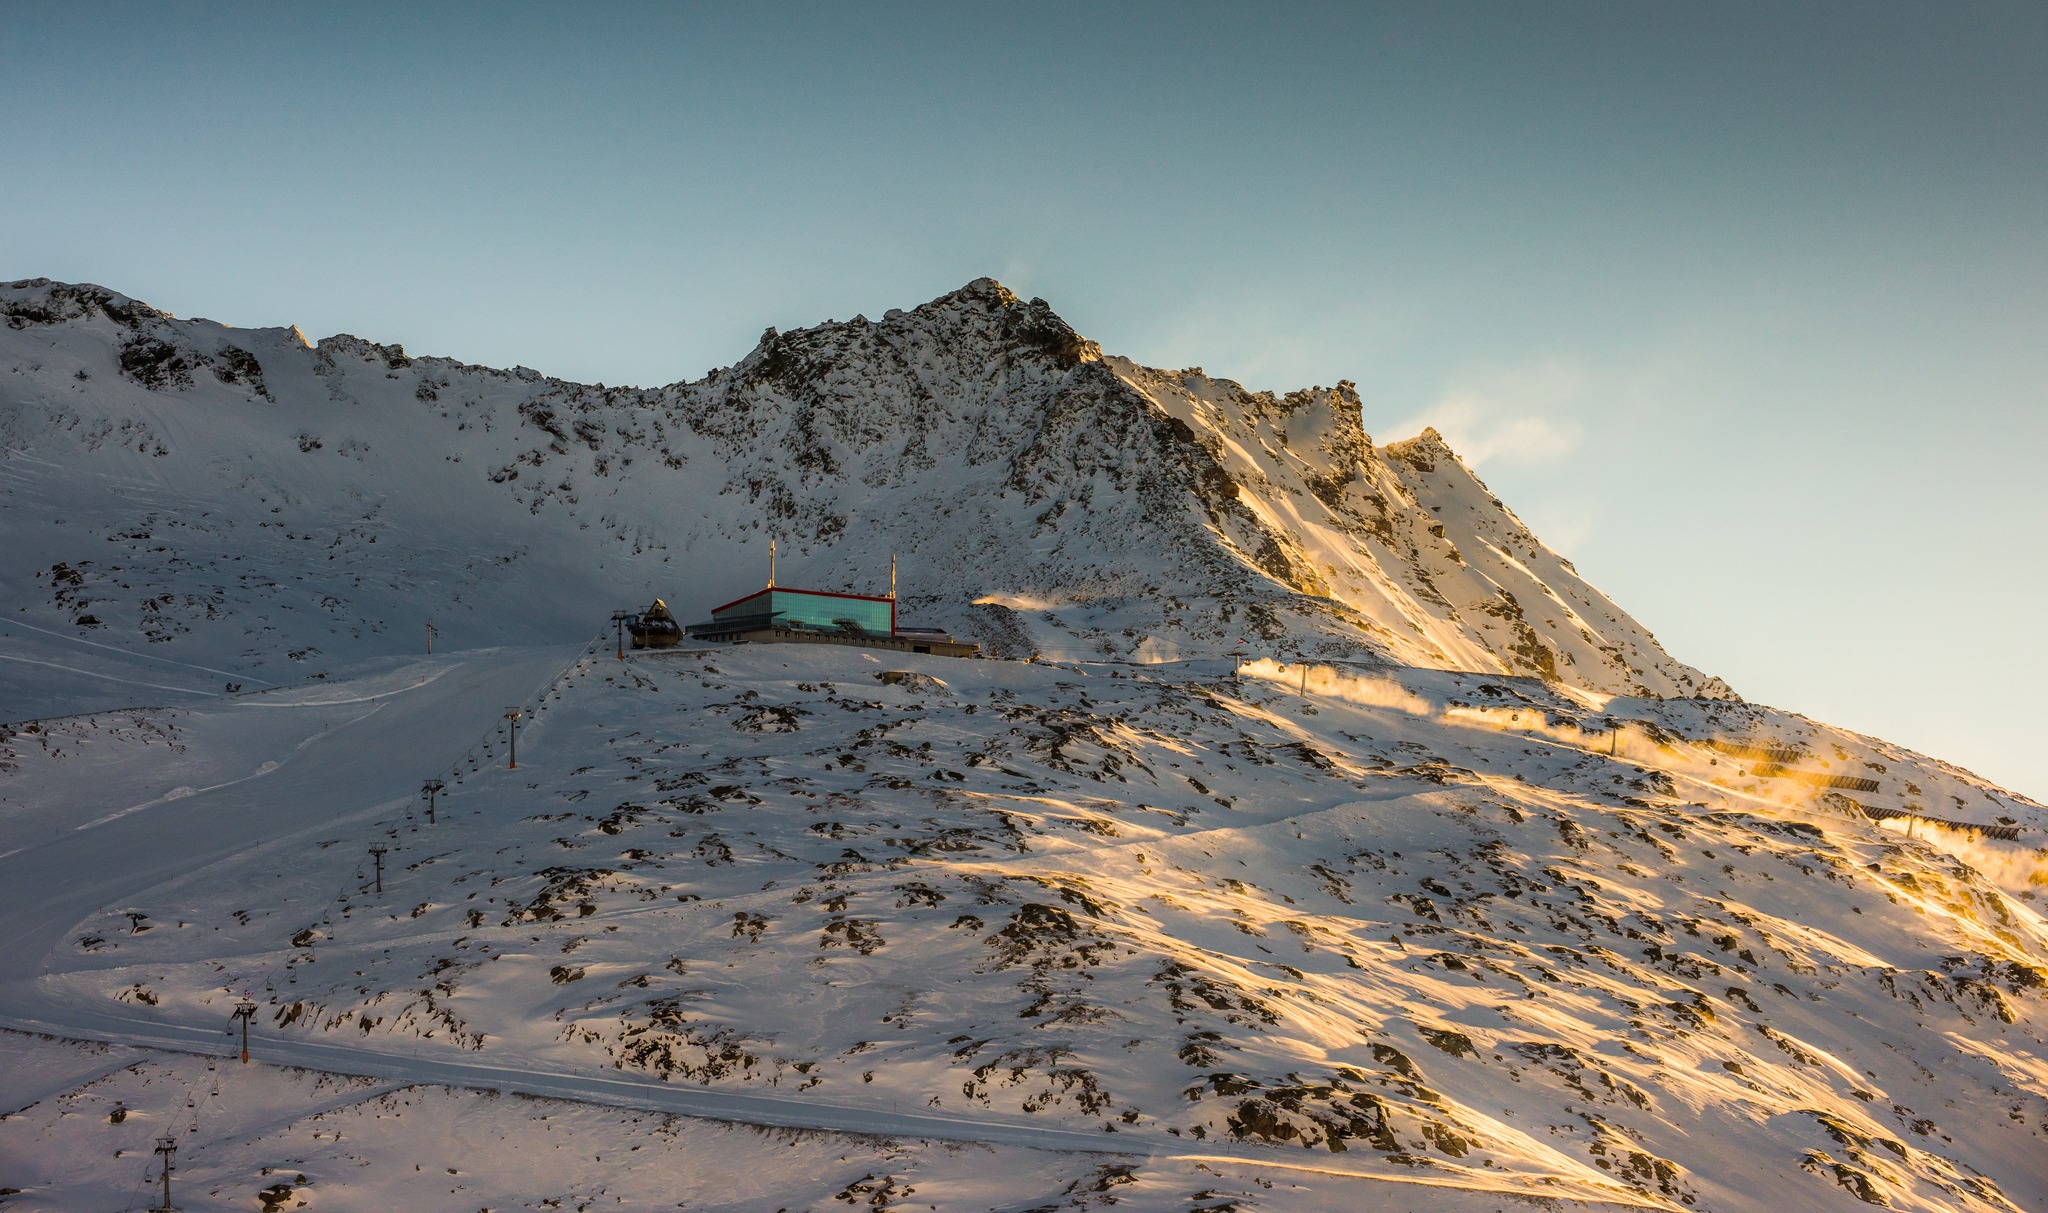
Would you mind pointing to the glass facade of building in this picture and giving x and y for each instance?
(813, 610)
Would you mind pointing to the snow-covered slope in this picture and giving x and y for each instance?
(1428, 929)
(1489, 904)
(242, 501)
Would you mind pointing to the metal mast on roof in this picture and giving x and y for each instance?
(892, 576)
(771, 564)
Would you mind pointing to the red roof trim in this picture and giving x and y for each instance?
(735, 602)
(792, 590)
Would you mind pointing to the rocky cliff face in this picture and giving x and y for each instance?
(1043, 497)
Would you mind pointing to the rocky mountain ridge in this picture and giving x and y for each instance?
(1043, 497)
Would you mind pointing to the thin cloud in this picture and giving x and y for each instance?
(1516, 417)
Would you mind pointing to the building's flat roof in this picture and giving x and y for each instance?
(783, 589)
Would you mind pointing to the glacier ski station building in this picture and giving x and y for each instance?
(780, 615)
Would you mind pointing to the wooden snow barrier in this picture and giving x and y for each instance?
(2006, 833)
(1762, 753)
(1847, 783)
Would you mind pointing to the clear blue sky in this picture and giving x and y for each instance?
(1742, 306)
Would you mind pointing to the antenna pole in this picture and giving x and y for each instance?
(771, 564)
(892, 576)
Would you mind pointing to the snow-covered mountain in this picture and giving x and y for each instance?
(1043, 498)
(1486, 904)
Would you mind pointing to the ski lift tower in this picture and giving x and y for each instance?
(166, 1149)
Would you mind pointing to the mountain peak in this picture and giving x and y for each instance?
(1031, 323)
(983, 319)
(994, 293)
(1127, 512)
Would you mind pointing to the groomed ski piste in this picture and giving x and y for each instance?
(1002, 935)
(1457, 892)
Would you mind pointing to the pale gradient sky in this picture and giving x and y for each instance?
(1744, 307)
